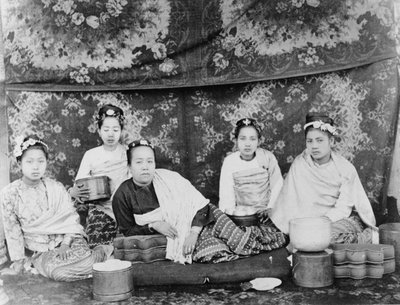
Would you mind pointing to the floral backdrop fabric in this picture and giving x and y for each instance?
(192, 127)
(120, 44)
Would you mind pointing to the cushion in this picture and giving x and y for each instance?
(362, 253)
(140, 248)
(268, 264)
(358, 261)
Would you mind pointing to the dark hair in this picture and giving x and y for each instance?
(135, 144)
(112, 111)
(246, 122)
(37, 143)
(315, 117)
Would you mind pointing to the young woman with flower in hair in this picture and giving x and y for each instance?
(39, 216)
(250, 179)
(110, 160)
(321, 183)
(250, 182)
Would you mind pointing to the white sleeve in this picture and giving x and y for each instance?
(276, 180)
(84, 168)
(226, 191)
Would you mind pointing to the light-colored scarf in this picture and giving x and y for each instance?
(260, 186)
(308, 191)
(149, 217)
(179, 202)
(252, 188)
(60, 218)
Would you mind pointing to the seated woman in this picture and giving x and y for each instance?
(40, 220)
(250, 178)
(322, 183)
(160, 201)
(108, 159)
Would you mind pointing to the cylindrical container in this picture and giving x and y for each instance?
(389, 233)
(99, 187)
(312, 269)
(310, 234)
(112, 286)
(246, 221)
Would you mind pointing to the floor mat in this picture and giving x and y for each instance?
(34, 289)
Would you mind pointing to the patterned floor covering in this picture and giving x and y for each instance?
(34, 289)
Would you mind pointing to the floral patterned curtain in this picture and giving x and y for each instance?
(212, 62)
(192, 127)
(121, 44)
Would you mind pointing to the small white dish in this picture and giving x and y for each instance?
(265, 283)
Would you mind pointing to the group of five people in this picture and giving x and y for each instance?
(42, 227)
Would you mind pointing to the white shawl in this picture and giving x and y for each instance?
(311, 191)
(179, 202)
(60, 218)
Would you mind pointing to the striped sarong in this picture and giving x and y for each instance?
(101, 229)
(223, 240)
(351, 230)
(76, 267)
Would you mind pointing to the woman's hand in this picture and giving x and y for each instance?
(79, 192)
(190, 243)
(165, 229)
(64, 252)
(263, 215)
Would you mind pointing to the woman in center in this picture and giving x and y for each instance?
(250, 178)
(160, 201)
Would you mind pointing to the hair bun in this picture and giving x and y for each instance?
(318, 116)
(247, 122)
(112, 111)
(141, 142)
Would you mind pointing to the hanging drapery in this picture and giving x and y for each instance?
(213, 62)
(192, 127)
(60, 45)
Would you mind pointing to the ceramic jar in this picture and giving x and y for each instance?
(310, 234)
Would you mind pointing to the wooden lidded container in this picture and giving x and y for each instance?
(313, 269)
(99, 187)
(389, 233)
(113, 285)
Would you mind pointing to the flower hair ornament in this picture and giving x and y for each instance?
(110, 113)
(248, 122)
(22, 145)
(141, 142)
(323, 126)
